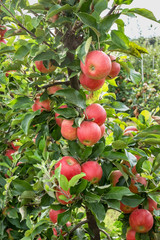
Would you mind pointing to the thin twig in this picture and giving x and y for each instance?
(111, 10)
(53, 84)
(75, 227)
(23, 27)
(105, 234)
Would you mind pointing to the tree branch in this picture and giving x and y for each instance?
(105, 234)
(93, 225)
(111, 10)
(23, 27)
(53, 84)
(75, 227)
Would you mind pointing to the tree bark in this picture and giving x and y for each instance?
(93, 225)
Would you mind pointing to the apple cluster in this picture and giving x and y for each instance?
(3, 30)
(97, 67)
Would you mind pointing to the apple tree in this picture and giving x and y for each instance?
(69, 150)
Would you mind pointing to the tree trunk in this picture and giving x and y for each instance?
(93, 225)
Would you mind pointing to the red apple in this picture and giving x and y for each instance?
(128, 130)
(151, 205)
(126, 209)
(68, 224)
(126, 163)
(69, 167)
(96, 112)
(53, 214)
(9, 153)
(53, 18)
(93, 171)
(91, 84)
(61, 192)
(59, 120)
(44, 105)
(103, 128)
(67, 131)
(97, 65)
(8, 72)
(40, 66)
(141, 220)
(115, 176)
(53, 89)
(131, 234)
(14, 146)
(137, 179)
(3, 30)
(115, 68)
(3, 41)
(89, 133)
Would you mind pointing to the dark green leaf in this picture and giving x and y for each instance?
(67, 112)
(25, 124)
(21, 52)
(107, 22)
(98, 210)
(21, 186)
(64, 217)
(97, 150)
(144, 12)
(120, 39)
(75, 179)
(118, 192)
(132, 201)
(57, 9)
(119, 106)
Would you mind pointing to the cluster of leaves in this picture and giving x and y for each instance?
(26, 184)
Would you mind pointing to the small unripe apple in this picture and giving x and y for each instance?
(67, 131)
(97, 65)
(93, 171)
(69, 167)
(59, 120)
(141, 220)
(9, 153)
(40, 66)
(91, 84)
(53, 214)
(89, 133)
(96, 113)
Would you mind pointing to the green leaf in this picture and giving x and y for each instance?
(132, 159)
(64, 217)
(120, 39)
(80, 187)
(21, 186)
(22, 102)
(90, 21)
(67, 112)
(12, 213)
(98, 210)
(119, 106)
(25, 124)
(21, 52)
(75, 179)
(135, 76)
(72, 96)
(114, 155)
(144, 12)
(117, 132)
(2, 78)
(119, 2)
(107, 22)
(57, 9)
(117, 193)
(100, 6)
(28, 195)
(91, 197)
(132, 201)
(6, 49)
(119, 144)
(47, 55)
(64, 184)
(97, 150)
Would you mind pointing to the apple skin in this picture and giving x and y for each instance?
(127, 209)
(115, 176)
(61, 192)
(115, 68)
(8, 72)
(9, 152)
(44, 105)
(126, 163)
(59, 120)
(96, 112)
(69, 167)
(90, 84)
(53, 18)
(152, 205)
(67, 131)
(40, 66)
(131, 234)
(93, 171)
(53, 89)
(141, 220)
(97, 65)
(103, 128)
(15, 147)
(128, 130)
(3, 30)
(53, 214)
(137, 179)
(68, 224)
(3, 41)
(89, 133)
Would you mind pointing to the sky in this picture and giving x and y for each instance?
(139, 26)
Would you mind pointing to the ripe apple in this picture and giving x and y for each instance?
(9, 153)
(44, 105)
(40, 66)
(53, 18)
(103, 128)
(97, 65)
(59, 120)
(115, 68)
(93, 171)
(96, 112)
(89, 133)
(151, 205)
(53, 214)
(67, 131)
(126, 209)
(3, 30)
(69, 167)
(61, 192)
(137, 179)
(131, 234)
(15, 147)
(91, 84)
(8, 72)
(128, 130)
(115, 176)
(3, 41)
(141, 220)
(126, 163)
(53, 89)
